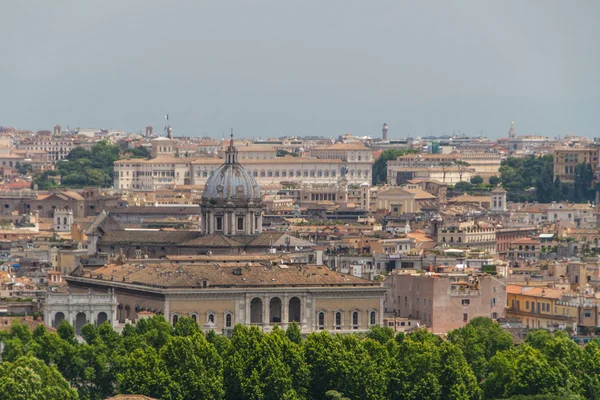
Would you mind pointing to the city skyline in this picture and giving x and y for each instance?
(271, 69)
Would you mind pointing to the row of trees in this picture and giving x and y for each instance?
(153, 358)
(531, 179)
(83, 167)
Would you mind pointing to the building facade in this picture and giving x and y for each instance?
(444, 302)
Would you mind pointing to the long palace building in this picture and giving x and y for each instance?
(164, 170)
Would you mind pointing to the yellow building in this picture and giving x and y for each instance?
(567, 158)
(539, 307)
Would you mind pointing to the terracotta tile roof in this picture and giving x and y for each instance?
(470, 199)
(421, 194)
(150, 237)
(213, 240)
(550, 293)
(514, 289)
(345, 146)
(173, 210)
(221, 275)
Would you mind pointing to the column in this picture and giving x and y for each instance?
(248, 316)
(233, 223)
(247, 222)
(167, 311)
(265, 314)
(285, 308)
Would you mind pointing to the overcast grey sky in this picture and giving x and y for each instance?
(268, 68)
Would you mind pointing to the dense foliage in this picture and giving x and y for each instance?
(380, 165)
(138, 152)
(83, 168)
(531, 179)
(153, 358)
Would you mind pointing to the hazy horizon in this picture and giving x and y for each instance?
(271, 68)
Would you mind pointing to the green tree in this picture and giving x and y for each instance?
(476, 180)
(342, 363)
(186, 326)
(520, 174)
(462, 167)
(195, 368)
(583, 191)
(283, 153)
(143, 372)
(293, 332)
(521, 371)
(380, 165)
(138, 152)
(30, 379)
(456, 376)
(416, 368)
(155, 330)
(462, 186)
(494, 180)
(479, 341)
(381, 334)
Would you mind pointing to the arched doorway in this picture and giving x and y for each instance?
(102, 317)
(294, 309)
(275, 310)
(58, 318)
(256, 310)
(80, 321)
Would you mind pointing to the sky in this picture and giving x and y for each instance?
(274, 68)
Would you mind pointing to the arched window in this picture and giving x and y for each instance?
(372, 318)
(210, 317)
(65, 219)
(175, 319)
(58, 220)
(338, 320)
(355, 320)
(321, 320)
(228, 320)
(195, 318)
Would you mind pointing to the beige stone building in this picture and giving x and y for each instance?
(231, 290)
(567, 158)
(167, 171)
(443, 302)
(397, 200)
(467, 235)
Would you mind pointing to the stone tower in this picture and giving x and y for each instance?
(499, 200)
(63, 219)
(384, 131)
(512, 133)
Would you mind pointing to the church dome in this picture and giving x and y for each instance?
(231, 180)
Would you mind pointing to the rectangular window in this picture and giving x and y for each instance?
(240, 223)
(465, 317)
(219, 223)
(587, 314)
(466, 302)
